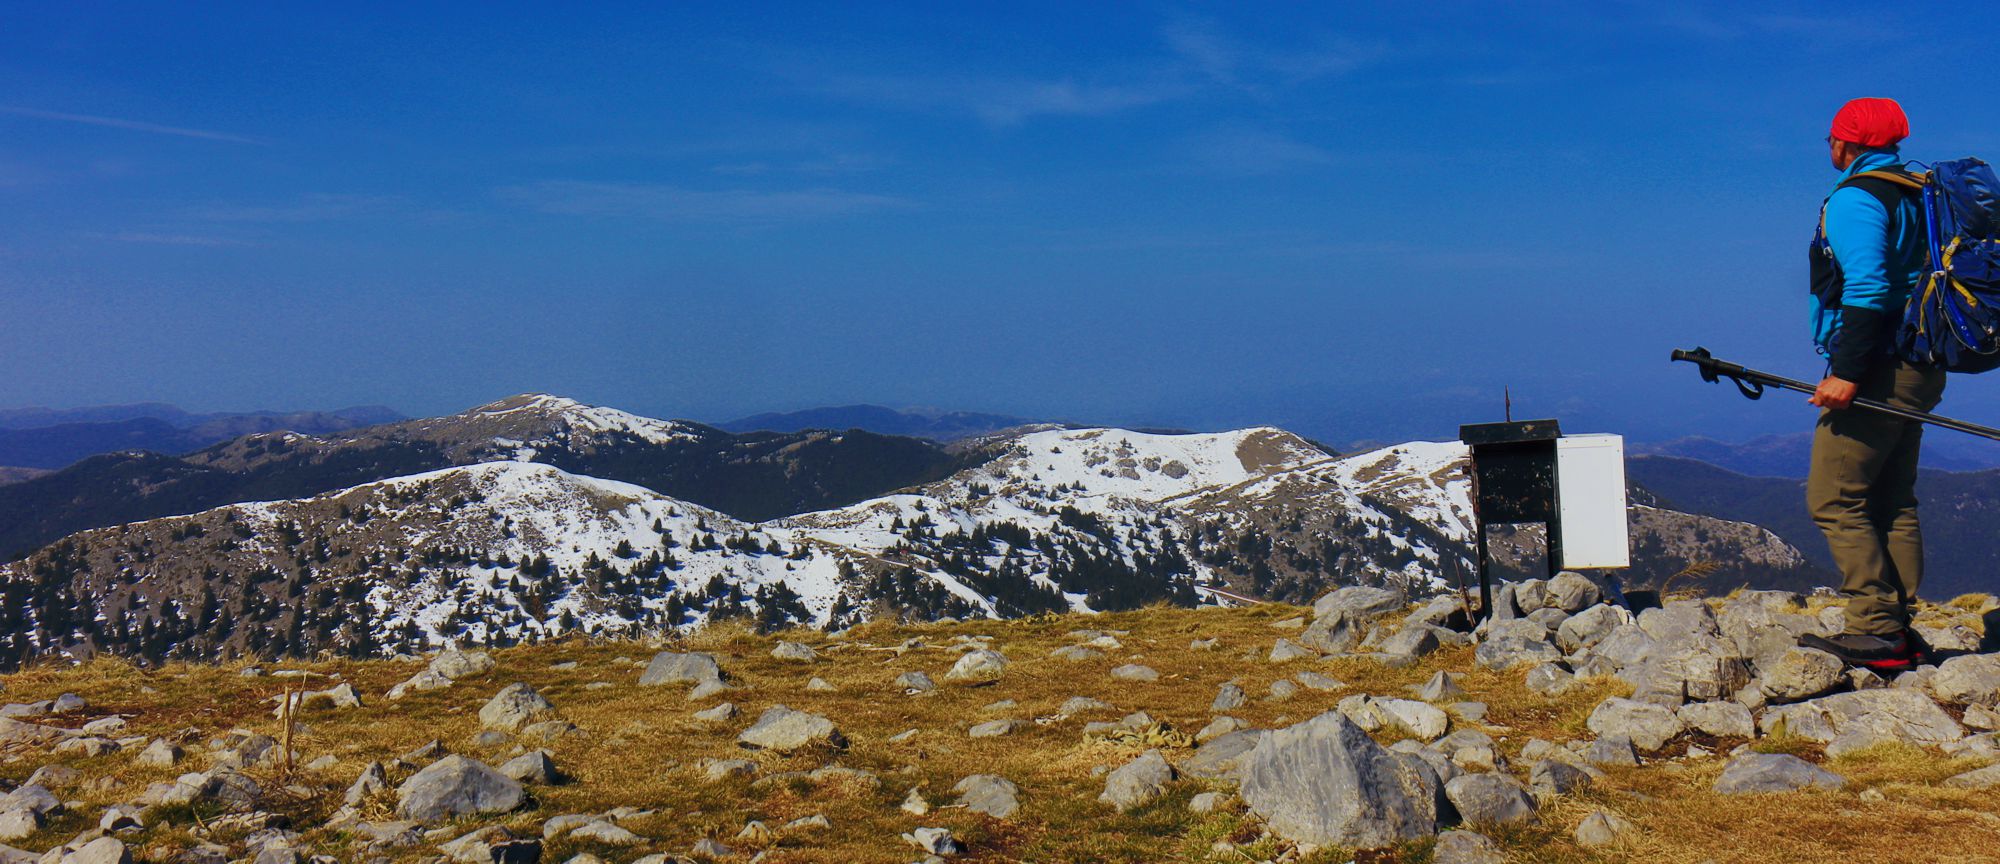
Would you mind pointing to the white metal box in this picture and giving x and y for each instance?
(1590, 501)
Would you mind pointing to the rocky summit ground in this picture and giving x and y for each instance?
(1354, 730)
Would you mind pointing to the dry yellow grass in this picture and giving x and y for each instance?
(641, 747)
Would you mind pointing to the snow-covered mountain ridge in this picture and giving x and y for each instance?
(509, 550)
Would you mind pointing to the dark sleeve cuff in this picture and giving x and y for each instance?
(1857, 345)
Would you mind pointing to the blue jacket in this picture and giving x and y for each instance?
(1879, 270)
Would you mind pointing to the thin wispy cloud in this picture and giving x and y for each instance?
(151, 238)
(308, 208)
(1253, 152)
(1006, 102)
(1220, 56)
(677, 204)
(132, 125)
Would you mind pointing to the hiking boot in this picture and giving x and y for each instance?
(1898, 653)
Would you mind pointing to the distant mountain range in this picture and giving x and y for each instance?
(939, 426)
(537, 516)
(1960, 510)
(1789, 455)
(49, 438)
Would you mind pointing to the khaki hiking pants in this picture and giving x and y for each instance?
(1862, 492)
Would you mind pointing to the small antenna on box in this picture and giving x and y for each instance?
(1507, 393)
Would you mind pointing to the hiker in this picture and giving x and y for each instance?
(1861, 490)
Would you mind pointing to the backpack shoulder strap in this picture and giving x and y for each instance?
(1888, 185)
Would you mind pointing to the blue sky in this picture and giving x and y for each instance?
(1356, 223)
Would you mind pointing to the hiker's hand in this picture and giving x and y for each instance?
(1834, 393)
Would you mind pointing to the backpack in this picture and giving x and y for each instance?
(1952, 320)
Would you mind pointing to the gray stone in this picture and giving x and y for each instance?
(1420, 719)
(1285, 651)
(1648, 726)
(1626, 645)
(1411, 641)
(794, 651)
(103, 850)
(515, 706)
(1222, 757)
(1324, 781)
(1217, 728)
(33, 797)
(715, 770)
(1282, 689)
(607, 833)
(1138, 782)
(1515, 643)
(915, 683)
(1550, 619)
(1440, 687)
(1550, 679)
(68, 703)
(707, 847)
(1888, 714)
(456, 786)
(1603, 829)
(1076, 653)
(1490, 799)
(979, 666)
(990, 794)
(992, 728)
(373, 781)
(1972, 679)
(668, 667)
(1466, 847)
(1982, 778)
(1801, 673)
(1612, 751)
(1773, 772)
(19, 824)
(1228, 697)
(1721, 719)
(935, 841)
(1359, 601)
(1531, 595)
(1135, 672)
(1336, 633)
(1584, 630)
(1573, 592)
(784, 730)
(721, 713)
(1084, 704)
(534, 766)
(1556, 777)
(1316, 681)
(453, 664)
(1207, 802)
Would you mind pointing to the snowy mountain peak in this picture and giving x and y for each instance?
(1147, 466)
(530, 422)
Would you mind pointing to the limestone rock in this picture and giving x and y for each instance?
(1514, 644)
(534, 766)
(1324, 781)
(1773, 772)
(1801, 673)
(456, 786)
(1972, 679)
(1222, 757)
(990, 794)
(794, 651)
(1135, 672)
(453, 664)
(1285, 651)
(1466, 847)
(1721, 719)
(784, 730)
(515, 706)
(1138, 782)
(668, 667)
(1603, 828)
(1649, 727)
(979, 666)
(1360, 601)
(1490, 799)
(1573, 592)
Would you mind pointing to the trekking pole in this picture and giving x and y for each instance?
(1751, 384)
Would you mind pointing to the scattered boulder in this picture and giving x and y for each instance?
(1981, 778)
(19, 824)
(1285, 651)
(1515, 643)
(1222, 757)
(1411, 641)
(794, 651)
(1228, 697)
(934, 841)
(1324, 781)
(785, 730)
(721, 713)
(1135, 672)
(515, 706)
(1359, 601)
(534, 766)
(1466, 847)
(701, 670)
(1337, 632)
(990, 794)
(456, 786)
(1649, 727)
(1972, 679)
(1490, 799)
(993, 728)
(1721, 719)
(1549, 679)
(453, 664)
(103, 850)
(1603, 828)
(1573, 592)
(978, 666)
(1773, 772)
(1440, 687)
(1585, 629)
(1800, 673)
(1138, 782)
(915, 683)
(1557, 777)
